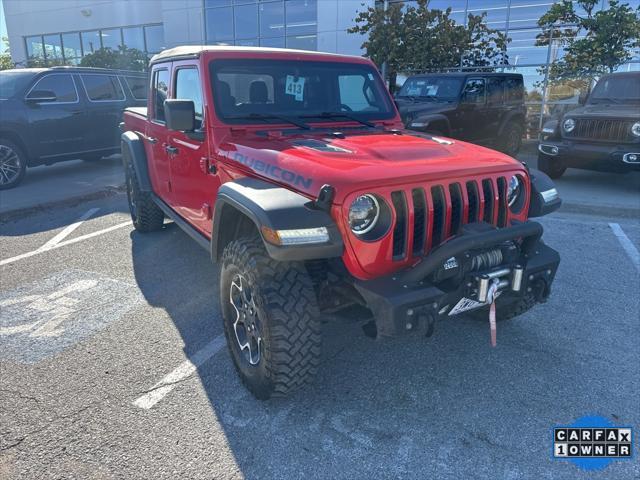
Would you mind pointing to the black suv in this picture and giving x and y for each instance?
(483, 108)
(603, 134)
(49, 115)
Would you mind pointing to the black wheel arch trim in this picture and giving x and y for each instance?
(278, 208)
(132, 143)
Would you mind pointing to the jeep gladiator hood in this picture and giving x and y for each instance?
(358, 161)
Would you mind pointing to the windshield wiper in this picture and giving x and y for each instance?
(263, 116)
(344, 115)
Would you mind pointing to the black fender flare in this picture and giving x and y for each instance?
(133, 151)
(432, 118)
(277, 208)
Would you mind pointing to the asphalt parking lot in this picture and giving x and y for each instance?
(114, 366)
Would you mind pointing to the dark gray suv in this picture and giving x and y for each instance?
(48, 115)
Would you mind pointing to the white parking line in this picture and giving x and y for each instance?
(7, 261)
(627, 244)
(185, 370)
(68, 230)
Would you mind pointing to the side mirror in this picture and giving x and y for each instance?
(582, 98)
(41, 96)
(180, 115)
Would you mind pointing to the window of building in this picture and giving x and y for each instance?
(246, 21)
(111, 38)
(72, 47)
(34, 47)
(60, 84)
(272, 19)
(188, 88)
(219, 24)
(496, 11)
(137, 87)
(133, 37)
(154, 36)
(159, 92)
(52, 47)
(278, 42)
(303, 42)
(90, 42)
(102, 88)
(301, 16)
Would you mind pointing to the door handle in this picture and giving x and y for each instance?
(171, 149)
(152, 140)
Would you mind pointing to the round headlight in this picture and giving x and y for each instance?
(513, 190)
(635, 129)
(363, 214)
(569, 124)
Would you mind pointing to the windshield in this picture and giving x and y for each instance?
(445, 88)
(13, 82)
(268, 91)
(621, 88)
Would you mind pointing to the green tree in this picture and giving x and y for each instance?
(5, 58)
(420, 38)
(124, 58)
(594, 42)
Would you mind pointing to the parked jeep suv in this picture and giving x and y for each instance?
(483, 108)
(603, 134)
(48, 115)
(293, 171)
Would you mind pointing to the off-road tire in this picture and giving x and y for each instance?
(145, 214)
(7, 147)
(506, 308)
(555, 168)
(288, 316)
(510, 139)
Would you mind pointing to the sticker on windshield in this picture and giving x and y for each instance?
(295, 87)
(431, 90)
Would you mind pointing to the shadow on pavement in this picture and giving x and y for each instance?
(448, 406)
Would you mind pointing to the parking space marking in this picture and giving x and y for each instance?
(7, 261)
(68, 230)
(184, 370)
(627, 244)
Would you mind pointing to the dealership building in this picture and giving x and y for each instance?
(55, 31)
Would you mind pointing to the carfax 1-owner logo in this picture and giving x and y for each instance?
(592, 443)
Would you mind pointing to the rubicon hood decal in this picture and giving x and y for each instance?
(272, 171)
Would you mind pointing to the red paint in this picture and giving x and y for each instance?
(375, 163)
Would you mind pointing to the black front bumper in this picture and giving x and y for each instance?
(592, 156)
(413, 299)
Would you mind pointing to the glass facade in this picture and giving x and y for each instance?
(518, 19)
(68, 48)
(266, 23)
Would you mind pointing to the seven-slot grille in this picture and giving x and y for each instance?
(601, 129)
(438, 212)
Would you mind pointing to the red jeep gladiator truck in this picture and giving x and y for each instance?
(294, 171)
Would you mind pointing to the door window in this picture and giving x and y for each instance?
(102, 88)
(159, 93)
(514, 90)
(188, 88)
(61, 84)
(474, 91)
(496, 90)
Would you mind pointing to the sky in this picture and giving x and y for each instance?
(3, 27)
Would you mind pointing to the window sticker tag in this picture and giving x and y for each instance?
(295, 87)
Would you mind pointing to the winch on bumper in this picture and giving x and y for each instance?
(458, 274)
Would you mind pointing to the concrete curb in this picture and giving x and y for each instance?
(106, 192)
